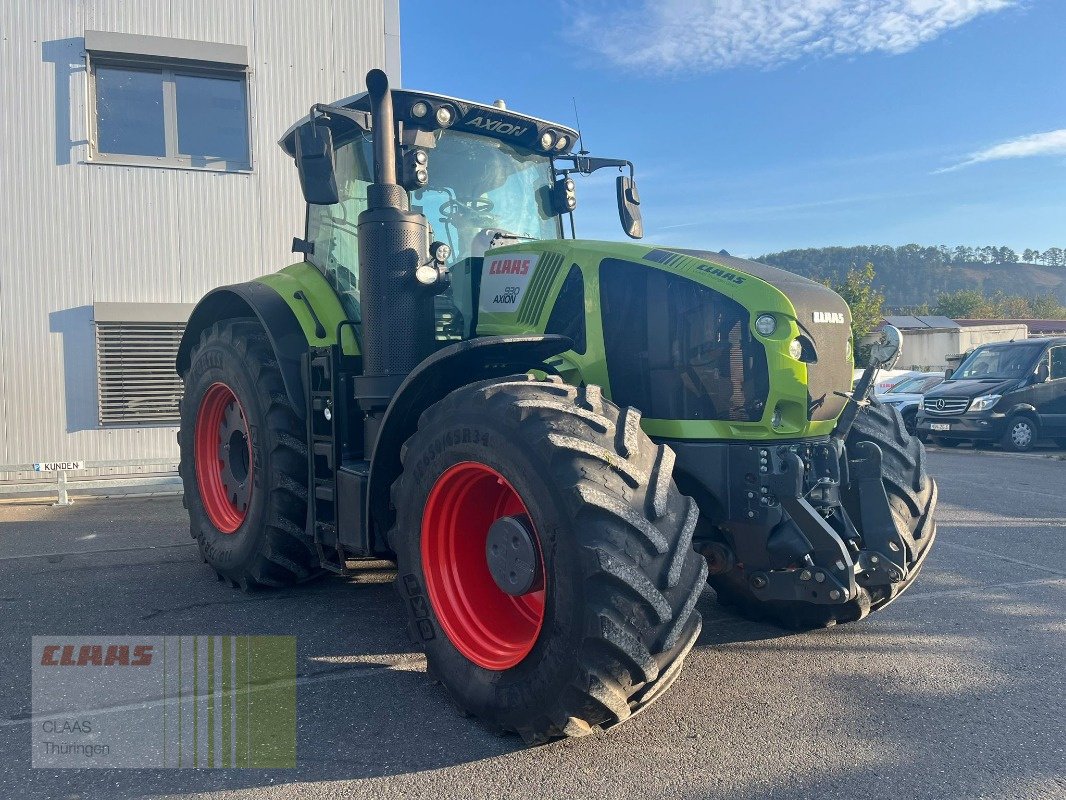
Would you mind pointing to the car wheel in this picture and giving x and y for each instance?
(910, 422)
(1020, 434)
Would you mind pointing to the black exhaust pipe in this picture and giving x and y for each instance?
(397, 313)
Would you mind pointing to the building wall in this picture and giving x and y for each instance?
(970, 336)
(927, 348)
(76, 233)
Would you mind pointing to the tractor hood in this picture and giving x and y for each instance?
(821, 314)
(812, 300)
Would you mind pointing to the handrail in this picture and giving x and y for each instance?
(168, 483)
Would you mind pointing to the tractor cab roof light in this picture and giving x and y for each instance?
(444, 116)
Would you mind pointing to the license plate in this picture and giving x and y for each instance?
(940, 426)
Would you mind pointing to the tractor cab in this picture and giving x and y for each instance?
(481, 175)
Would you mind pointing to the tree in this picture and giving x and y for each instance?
(1055, 257)
(963, 304)
(866, 304)
(1029, 255)
(1047, 306)
(1006, 255)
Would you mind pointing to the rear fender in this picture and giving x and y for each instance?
(443, 372)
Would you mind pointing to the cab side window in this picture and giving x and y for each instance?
(332, 229)
(1058, 362)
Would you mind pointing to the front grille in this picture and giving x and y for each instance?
(679, 350)
(946, 406)
(831, 370)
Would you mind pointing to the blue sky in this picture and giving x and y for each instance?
(762, 125)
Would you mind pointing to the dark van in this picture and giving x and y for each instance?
(1013, 393)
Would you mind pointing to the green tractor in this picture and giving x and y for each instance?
(559, 442)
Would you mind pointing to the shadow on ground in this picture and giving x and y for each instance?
(955, 691)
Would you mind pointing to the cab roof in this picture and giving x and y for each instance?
(467, 115)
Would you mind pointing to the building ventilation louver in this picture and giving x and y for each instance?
(135, 368)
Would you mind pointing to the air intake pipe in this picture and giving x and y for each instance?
(397, 313)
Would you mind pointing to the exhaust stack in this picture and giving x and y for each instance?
(397, 314)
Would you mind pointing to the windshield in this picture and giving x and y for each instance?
(479, 187)
(998, 361)
(919, 385)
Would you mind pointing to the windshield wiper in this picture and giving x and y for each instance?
(502, 235)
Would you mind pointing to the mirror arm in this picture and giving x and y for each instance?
(586, 165)
(361, 119)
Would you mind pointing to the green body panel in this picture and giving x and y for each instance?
(306, 278)
(788, 376)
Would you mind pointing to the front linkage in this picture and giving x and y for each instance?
(806, 532)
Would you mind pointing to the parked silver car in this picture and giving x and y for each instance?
(906, 394)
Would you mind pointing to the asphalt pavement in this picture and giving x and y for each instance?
(954, 691)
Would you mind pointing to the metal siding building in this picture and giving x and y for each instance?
(84, 239)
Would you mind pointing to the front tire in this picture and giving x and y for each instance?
(244, 461)
(912, 496)
(1020, 434)
(604, 625)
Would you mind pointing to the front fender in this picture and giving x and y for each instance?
(262, 302)
(443, 372)
(1022, 408)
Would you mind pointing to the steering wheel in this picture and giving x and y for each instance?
(479, 205)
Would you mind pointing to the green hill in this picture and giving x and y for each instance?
(913, 274)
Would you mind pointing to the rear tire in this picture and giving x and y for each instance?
(615, 615)
(250, 532)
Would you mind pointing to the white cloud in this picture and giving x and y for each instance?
(1052, 143)
(711, 35)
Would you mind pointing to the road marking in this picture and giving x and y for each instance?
(94, 552)
(979, 590)
(980, 552)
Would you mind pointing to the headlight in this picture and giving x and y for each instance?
(985, 402)
(419, 109)
(921, 404)
(776, 419)
(795, 349)
(547, 139)
(766, 324)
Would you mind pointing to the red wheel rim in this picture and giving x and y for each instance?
(490, 627)
(223, 457)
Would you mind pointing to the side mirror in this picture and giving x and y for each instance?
(629, 207)
(316, 163)
(887, 348)
(948, 373)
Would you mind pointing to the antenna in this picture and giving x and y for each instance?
(580, 138)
